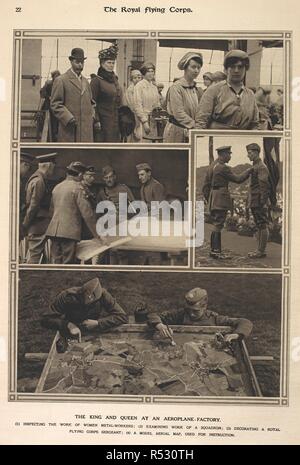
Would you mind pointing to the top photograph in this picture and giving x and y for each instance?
(88, 90)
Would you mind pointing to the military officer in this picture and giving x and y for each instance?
(258, 200)
(113, 188)
(85, 308)
(37, 199)
(195, 312)
(26, 162)
(151, 189)
(71, 207)
(88, 180)
(216, 193)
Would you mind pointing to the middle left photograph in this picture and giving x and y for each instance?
(104, 206)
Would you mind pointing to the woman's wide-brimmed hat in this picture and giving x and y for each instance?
(110, 53)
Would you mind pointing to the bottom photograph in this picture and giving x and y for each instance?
(144, 333)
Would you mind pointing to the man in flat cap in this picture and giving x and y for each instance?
(89, 307)
(37, 200)
(229, 104)
(258, 200)
(195, 312)
(71, 208)
(216, 193)
(71, 102)
(151, 190)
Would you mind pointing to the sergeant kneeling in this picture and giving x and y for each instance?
(196, 313)
(88, 307)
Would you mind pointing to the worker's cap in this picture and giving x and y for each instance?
(219, 76)
(135, 72)
(253, 146)
(208, 75)
(77, 54)
(189, 56)
(47, 158)
(143, 166)
(108, 169)
(239, 54)
(224, 149)
(160, 84)
(147, 66)
(266, 89)
(90, 170)
(27, 158)
(76, 167)
(196, 296)
(92, 291)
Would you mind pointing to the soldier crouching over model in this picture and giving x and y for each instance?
(85, 308)
(196, 313)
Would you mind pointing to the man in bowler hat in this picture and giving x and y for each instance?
(71, 102)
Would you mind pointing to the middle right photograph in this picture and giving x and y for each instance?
(239, 179)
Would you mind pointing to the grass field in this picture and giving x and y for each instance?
(253, 296)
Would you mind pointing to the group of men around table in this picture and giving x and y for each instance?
(91, 307)
(67, 214)
(217, 195)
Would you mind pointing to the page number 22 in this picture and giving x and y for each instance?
(18, 9)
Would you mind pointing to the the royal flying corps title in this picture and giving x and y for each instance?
(146, 9)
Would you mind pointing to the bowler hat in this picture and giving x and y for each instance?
(92, 291)
(77, 54)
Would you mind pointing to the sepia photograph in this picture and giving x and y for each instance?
(240, 181)
(103, 206)
(85, 90)
(160, 334)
